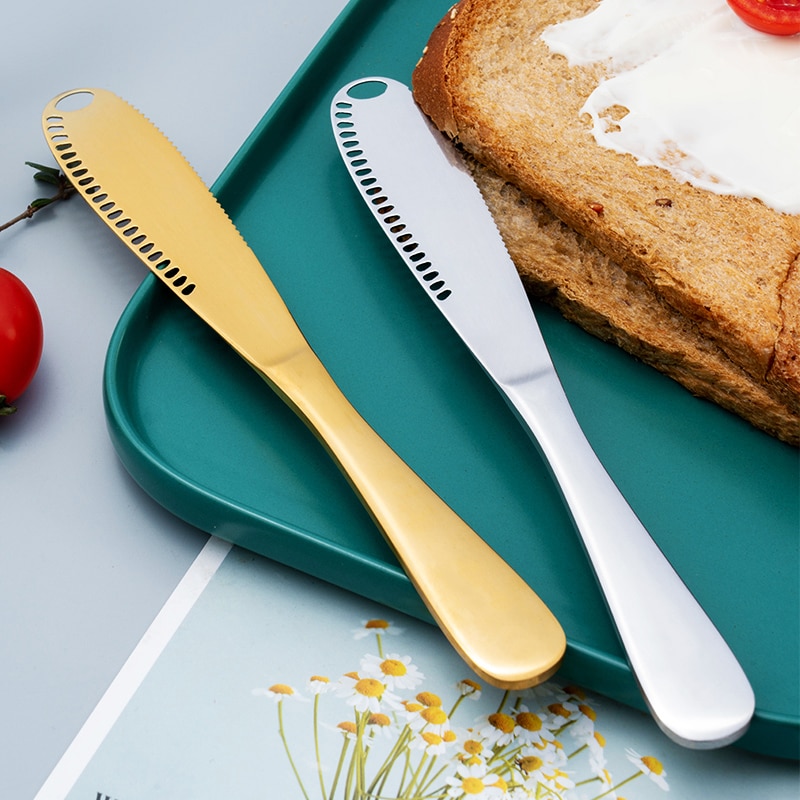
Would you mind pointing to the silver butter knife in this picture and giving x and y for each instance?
(423, 197)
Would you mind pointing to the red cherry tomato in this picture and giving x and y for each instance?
(779, 17)
(21, 338)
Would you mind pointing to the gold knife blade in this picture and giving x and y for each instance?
(148, 194)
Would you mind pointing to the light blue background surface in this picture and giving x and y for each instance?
(86, 558)
(195, 729)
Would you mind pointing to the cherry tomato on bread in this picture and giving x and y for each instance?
(779, 17)
(21, 339)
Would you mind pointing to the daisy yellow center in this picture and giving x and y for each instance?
(450, 736)
(575, 691)
(434, 715)
(502, 722)
(369, 687)
(281, 688)
(558, 710)
(429, 699)
(529, 721)
(530, 763)
(320, 679)
(432, 738)
(558, 777)
(379, 719)
(413, 708)
(588, 711)
(379, 624)
(472, 747)
(653, 764)
(501, 785)
(472, 785)
(393, 667)
(600, 739)
(347, 726)
(470, 686)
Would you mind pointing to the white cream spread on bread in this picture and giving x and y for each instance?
(708, 98)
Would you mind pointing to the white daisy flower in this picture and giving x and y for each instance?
(348, 730)
(434, 719)
(650, 766)
(499, 729)
(376, 627)
(319, 684)
(396, 671)
(380, 726)
(278, 692)
(562, 712)
(531, 768)
(429, 742)
(472, 749)
(556, 780)
(606, 784)
(411, 711)
(596, 744)
(366, 694)
(470, 689)
(528, 727)
(471, 781)
(547, 693)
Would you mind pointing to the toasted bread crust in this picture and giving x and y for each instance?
(724, 270)
(559, 266)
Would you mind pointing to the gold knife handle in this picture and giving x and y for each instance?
(495, 621)
(116, 158)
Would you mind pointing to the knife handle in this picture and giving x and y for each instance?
(689, 677)
(492, 617)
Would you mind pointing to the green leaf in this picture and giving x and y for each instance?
(46, 174)
(46, 177)
(41, 202)
(44, 168)
(5, 407)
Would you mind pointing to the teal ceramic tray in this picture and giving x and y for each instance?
(207, 439)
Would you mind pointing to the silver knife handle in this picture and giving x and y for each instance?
(478, 600)
(690, 679)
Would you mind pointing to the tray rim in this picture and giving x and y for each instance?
(142, 463)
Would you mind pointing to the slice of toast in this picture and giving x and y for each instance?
(558, 265)
(704, 287)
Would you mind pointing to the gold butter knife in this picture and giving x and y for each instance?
(148, 194)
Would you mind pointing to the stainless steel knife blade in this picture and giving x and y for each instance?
(420, 191)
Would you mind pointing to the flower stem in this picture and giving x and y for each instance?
(345, 745)
(64, 189)
(385, 769)
(415, 777)
(286, 748)
(316, 745)
(503, 700)
(579, 750)
(621, 783)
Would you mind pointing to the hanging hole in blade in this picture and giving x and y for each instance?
(367, 89)
(75, 101)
